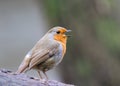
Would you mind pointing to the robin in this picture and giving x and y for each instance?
(47, 53)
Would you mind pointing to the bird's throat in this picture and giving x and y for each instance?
(61, 39)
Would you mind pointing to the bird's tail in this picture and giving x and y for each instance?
(24, 65)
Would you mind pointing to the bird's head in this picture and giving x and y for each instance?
(59, 34)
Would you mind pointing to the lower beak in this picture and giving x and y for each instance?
(69, 35)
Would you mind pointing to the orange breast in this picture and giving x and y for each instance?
(62, 39)
(64, 48)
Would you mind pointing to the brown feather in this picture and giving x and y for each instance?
(42, 56)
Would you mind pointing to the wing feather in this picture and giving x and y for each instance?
(38, 58)
(42, 55)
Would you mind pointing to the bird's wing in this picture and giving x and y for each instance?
(42, 55)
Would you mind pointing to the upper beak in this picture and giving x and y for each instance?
(67, 34)
(68, 30)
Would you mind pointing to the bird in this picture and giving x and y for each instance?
(47, 53)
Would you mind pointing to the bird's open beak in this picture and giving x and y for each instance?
(67, 32)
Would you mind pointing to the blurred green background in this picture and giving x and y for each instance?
(93, 51)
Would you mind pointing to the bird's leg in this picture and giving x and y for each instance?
(45, 75)
(39, 74)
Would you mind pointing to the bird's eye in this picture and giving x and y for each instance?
(58, 32)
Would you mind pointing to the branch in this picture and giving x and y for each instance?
(7, 78)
